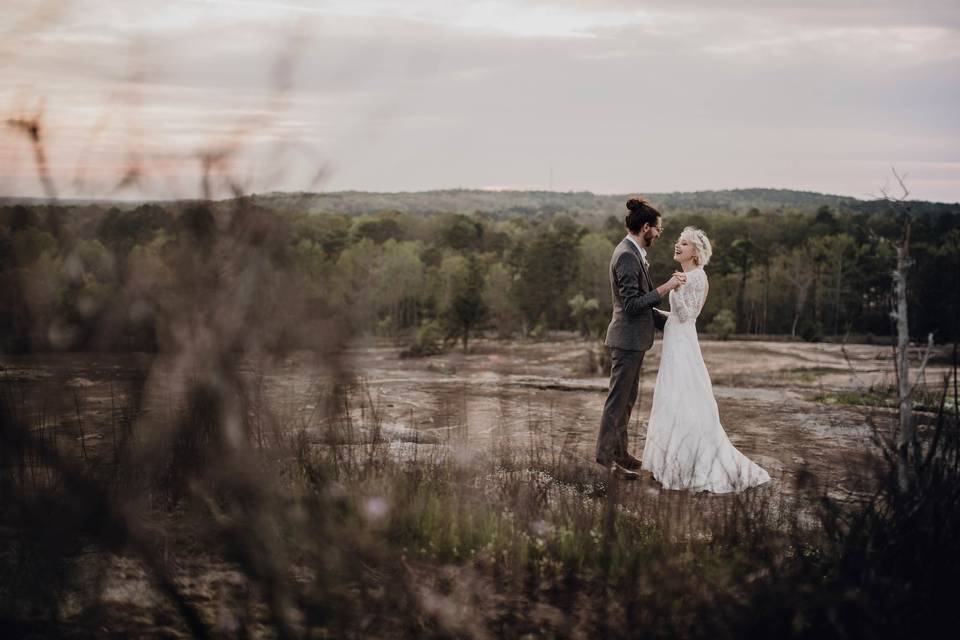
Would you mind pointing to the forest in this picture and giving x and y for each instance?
(435, 268)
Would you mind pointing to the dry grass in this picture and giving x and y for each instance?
(297, 538)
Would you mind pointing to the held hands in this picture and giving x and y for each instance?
(678, 279)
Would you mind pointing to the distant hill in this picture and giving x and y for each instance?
(583, 203)
(580, 204)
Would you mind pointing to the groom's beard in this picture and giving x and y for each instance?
(648, 239)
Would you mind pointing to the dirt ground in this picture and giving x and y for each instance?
(514, 394)
(767, 393)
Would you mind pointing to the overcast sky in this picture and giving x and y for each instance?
(608, 96)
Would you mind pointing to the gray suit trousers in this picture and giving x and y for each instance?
(624, 386)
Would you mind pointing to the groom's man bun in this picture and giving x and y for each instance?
(640, 213)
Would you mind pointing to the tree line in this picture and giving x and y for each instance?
(68, 271)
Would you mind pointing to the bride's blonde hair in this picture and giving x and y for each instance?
(700, 242)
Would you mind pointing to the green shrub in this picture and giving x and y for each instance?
(429, 341)
(722, 324)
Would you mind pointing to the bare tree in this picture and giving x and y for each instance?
(800, 275)
(905, 436)
(834, 251)
(741, 255)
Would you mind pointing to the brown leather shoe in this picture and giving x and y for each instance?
(622, 473)
(627, 461)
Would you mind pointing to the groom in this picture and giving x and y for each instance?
(630, 333)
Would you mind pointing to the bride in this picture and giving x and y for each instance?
(687, 447)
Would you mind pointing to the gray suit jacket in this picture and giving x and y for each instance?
(634, 296)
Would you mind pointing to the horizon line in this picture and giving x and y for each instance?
(505, 190)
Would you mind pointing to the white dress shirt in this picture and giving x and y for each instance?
(643, 252)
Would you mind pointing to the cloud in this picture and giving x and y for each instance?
(606, 97)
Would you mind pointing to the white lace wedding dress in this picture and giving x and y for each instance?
(687, 447)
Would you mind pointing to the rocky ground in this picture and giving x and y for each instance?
(777, 400)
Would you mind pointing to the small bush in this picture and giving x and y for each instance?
(722, 325)
(429, 341)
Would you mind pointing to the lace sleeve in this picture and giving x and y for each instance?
(687, 300)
